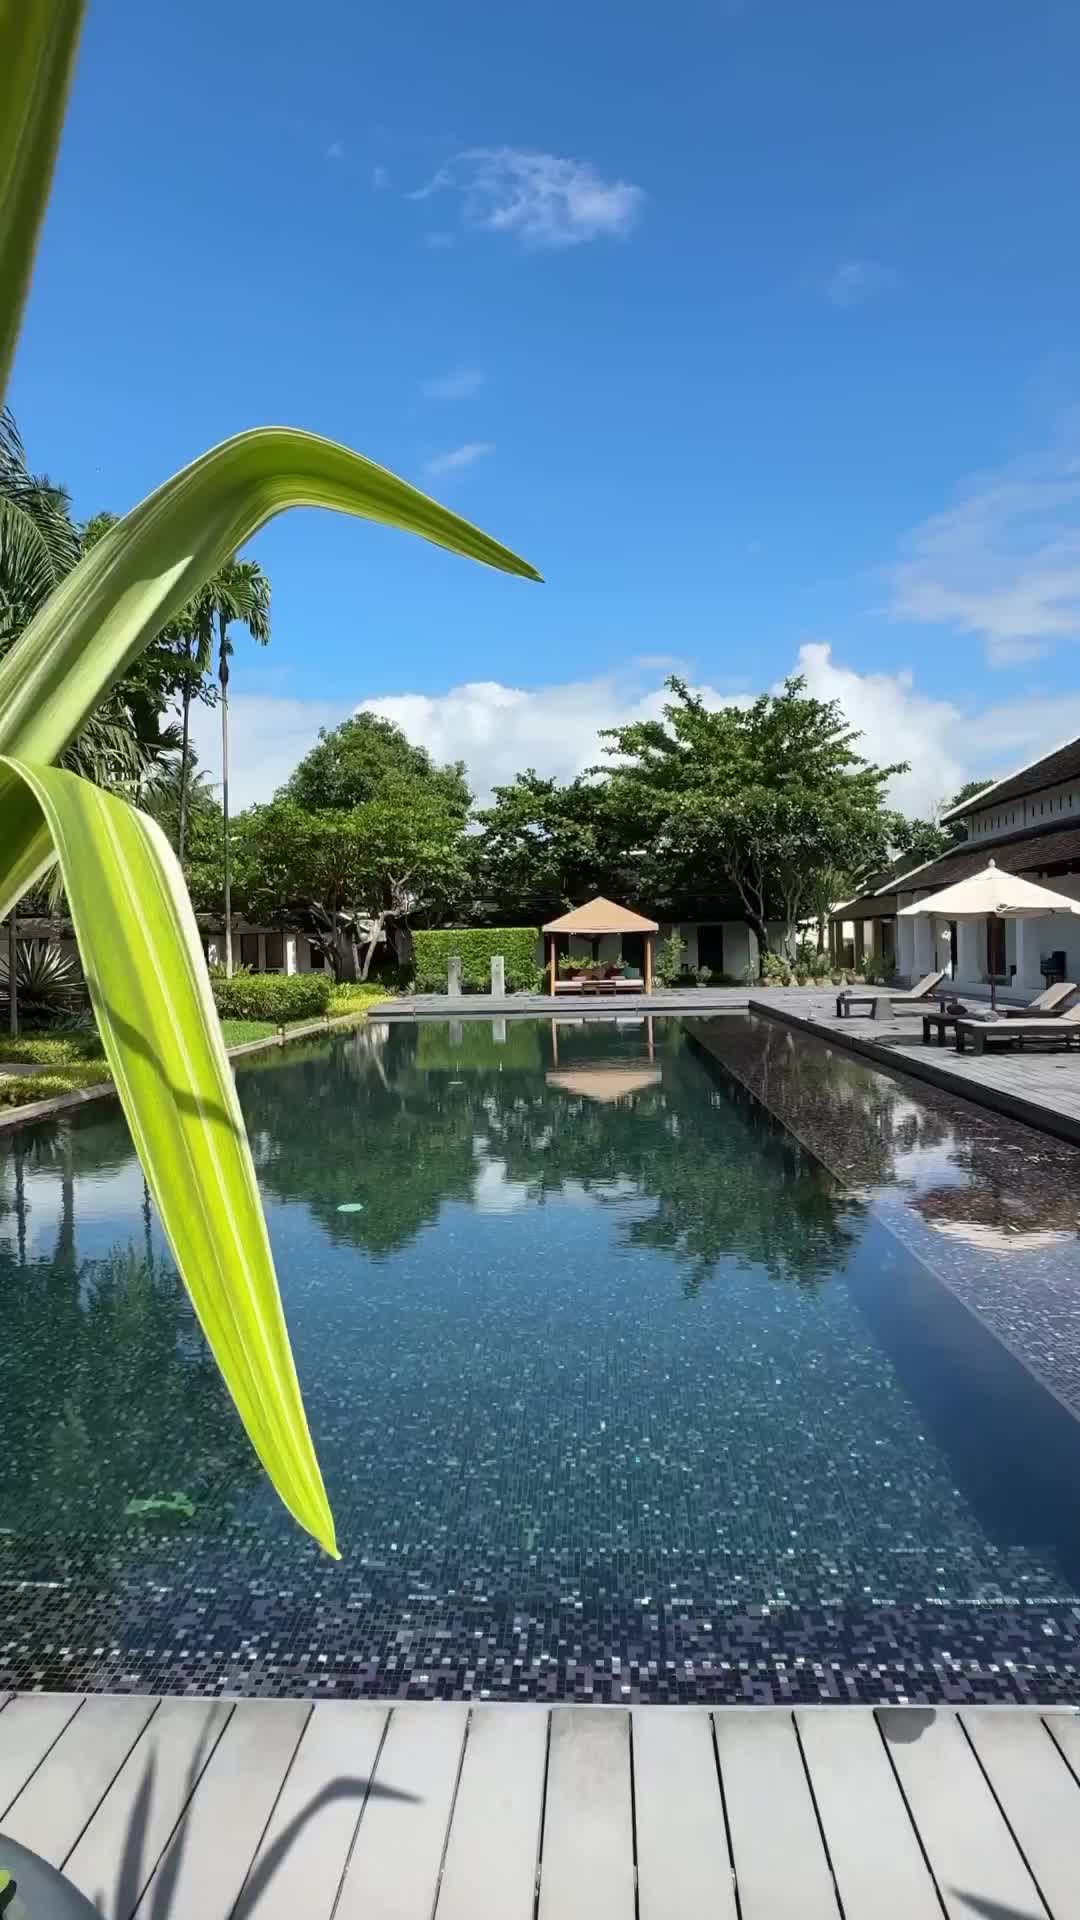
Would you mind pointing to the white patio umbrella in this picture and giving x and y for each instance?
(993, 894)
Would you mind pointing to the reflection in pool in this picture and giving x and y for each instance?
(618, 1392)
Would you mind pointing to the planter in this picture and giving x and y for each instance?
(40, 1892)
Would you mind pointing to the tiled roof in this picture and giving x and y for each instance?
(1050, 771)
(1027, 853)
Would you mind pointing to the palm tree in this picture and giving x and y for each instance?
(244, 596)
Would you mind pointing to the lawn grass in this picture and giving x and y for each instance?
(237, 1032)
(76, 1060)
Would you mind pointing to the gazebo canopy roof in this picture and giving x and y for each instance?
(605, 1084)
(601, 916)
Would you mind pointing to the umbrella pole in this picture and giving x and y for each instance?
(990, 969)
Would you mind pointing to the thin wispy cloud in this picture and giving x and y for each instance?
(459, 457)
(1004, 563)
(455, 386)
(438, 242)
(336, 150)
(380, 179)
(857, 280)
(540, 198)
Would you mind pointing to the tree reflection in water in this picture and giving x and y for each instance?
(399, 1122)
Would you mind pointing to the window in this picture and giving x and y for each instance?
(316, 957)
(996, 962)
(249, 950)
(275, 953)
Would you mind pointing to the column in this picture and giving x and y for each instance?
(925, 948)
(905, 947)
(1033, 939)
(970, 953)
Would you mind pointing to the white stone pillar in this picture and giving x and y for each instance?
(905, 947)
(925, 945)
(1033, 939)
(970, 953)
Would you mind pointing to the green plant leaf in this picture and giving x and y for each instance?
(153, 561)
(146, 567)
(151, 997)
(38, 39)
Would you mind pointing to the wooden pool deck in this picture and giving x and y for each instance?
(280, 1810)
(1038, 1085)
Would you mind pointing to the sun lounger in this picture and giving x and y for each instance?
(1062, 1029)
(882, 1005)
(1050, 1000)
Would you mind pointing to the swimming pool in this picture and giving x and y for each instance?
(620, 1392)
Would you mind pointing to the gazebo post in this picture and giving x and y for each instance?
(552, 945)
(648, 962)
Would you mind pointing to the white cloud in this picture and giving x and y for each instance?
(1004, 563)
(856, 280)
(547, 201)
(459, 457)
(335, 151)
(380, 179)
(455, 386)
(500, 730)
(268, 734)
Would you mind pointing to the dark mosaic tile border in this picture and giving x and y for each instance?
(1031, 1299)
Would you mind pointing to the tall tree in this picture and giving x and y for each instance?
(543, 845)
(244, 597)
(350, 763)
(349, 877)
(758, 798)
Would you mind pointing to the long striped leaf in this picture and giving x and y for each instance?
(37, 52)
(151, 998)
(151, 563)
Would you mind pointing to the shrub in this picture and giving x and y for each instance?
(272, 996)
(476, 947)
(670, 958)
(48, 981)
(774, 968)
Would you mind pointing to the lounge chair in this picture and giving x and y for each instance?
(1050, 1000)
(883, 1004)
(1063, 1028)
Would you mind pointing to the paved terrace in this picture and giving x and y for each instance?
(280, 1810)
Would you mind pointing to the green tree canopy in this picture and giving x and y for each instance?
(544, 845)
(399, 856)
(350, 764)
(760, 798)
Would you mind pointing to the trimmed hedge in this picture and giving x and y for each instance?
(272, 996)
(476, 946)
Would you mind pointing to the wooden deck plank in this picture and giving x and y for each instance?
(684, 1870)
(1038, 1796)
(587, 1864)
(973, 1856)
(133, 1825)
(29, 1726)
(876, 1859)
(491, 1858)
(76, 1774)
(781, 1870)
(301, 1860)
(394, 1870)
(206, 1861)
(1064, 1727)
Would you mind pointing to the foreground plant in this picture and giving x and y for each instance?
(132, 917)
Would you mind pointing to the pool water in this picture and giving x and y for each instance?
(618, 1393)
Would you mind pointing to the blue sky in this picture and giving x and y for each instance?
(751, 323)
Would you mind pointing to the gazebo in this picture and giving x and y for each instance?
(593, 920)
